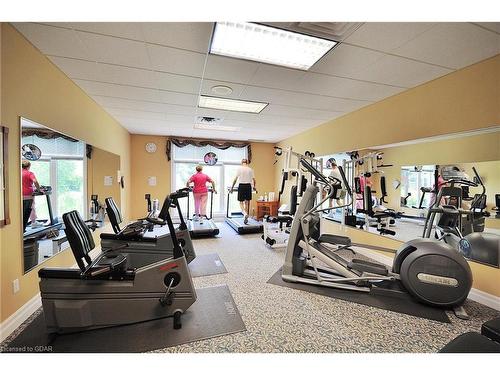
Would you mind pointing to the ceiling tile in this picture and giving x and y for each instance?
(130, 30)
(399, 71)
(120, 112)
(178, 98)
(52, 40)
(87, 70)
(128, 76)
(346, 88)
(454, 45)
(193, 36)
(174, 60)
(120, 91)
(387, 36)
(146, 106)
(494, 26)
(277, 77)
(174, 82)
(302, 100)
(228, 69)
(346, 60)
(113, 50)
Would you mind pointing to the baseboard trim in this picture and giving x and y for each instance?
(485, 298)
(15, 320)
(475, 294)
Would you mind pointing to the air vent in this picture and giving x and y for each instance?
(207, 120)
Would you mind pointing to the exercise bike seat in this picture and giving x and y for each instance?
(334, 239)
(491, 329)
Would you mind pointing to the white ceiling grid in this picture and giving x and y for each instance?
(148, 75)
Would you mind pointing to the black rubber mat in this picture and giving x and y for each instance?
(206, 265)
(392, 300)
(213, 314)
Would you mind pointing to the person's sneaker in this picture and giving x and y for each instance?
(201, 219)
(246, 219)
(195, 218)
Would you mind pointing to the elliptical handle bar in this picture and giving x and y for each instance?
(314, 171)
(479, 179)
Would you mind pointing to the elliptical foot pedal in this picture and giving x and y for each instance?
(365, 266)
(335, 239)
(177, 320)
(461, 313)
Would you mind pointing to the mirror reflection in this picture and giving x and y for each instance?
(60, 174)
(456, 202)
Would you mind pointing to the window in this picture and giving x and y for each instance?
(413, 179)
(61, 166)
(184, 162)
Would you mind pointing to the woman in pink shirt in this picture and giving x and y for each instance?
(200, 192)
(29, 184)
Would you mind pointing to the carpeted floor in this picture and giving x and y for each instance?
(282, 319)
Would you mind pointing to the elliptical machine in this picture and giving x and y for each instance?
(431, 271)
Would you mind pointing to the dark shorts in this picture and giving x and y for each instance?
(244, 192)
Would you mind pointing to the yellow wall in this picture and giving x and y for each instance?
(144, 164)
(103, 163)
(467, 99)
(262, 163)
(34, 88)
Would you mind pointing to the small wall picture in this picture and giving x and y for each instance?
(210, 158)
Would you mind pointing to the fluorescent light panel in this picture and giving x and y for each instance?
(217, 127)
(225, 104)
(266, 44)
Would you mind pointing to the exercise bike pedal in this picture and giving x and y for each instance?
(369, 267)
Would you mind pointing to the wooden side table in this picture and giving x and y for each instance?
(267, 208)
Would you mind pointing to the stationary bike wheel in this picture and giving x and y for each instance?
(436, 274)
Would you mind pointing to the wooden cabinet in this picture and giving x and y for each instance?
(266, 208)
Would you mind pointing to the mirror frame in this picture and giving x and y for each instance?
(4, 170)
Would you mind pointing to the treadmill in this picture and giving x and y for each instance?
(235, 219)
(52, 224)
(205, 228)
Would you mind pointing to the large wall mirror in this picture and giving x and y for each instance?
(403, 179)
(60, 174)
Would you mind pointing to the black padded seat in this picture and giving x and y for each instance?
(471, 342)
(60, 273)
(491, 329)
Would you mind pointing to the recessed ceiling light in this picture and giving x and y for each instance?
(217, 127)
(222, 90)
(267, 44)
(224, 104)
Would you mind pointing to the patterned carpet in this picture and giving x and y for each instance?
(282, 319)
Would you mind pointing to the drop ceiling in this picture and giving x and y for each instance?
(148, 75)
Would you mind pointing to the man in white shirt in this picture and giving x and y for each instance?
(246, 179)
(335, 173)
